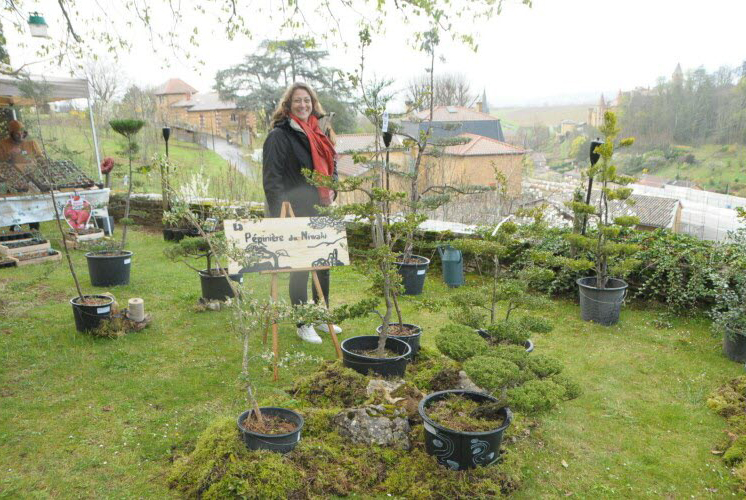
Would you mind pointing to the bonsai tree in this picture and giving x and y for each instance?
(129, 129)
(196, 248)
(605, 245)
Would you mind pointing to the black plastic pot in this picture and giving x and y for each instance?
(734, 346)
(105, 223)
(601, 305)
(413, 340)
(14, 235)
(109, 270)
(459, 450)
(281, 443)
(169, 234)
(217, 287)
(387, 367)
(529, 345)
(413, 275)
(88, 318)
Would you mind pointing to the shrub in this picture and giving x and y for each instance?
(492, 373)
(513, 353)
(535, 324)
(460, 342)
(535, 396)
(509, 332)
(544, 366)
(572, 388)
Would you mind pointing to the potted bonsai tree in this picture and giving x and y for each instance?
(111, 265)
(601, 296)
(729, 312)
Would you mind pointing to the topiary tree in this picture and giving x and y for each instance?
(129, 129)
(459, 342)
(606, 244)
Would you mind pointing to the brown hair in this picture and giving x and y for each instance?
(283, 107)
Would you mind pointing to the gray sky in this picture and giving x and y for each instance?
(559, 51)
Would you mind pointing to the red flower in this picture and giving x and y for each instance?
(107, 165)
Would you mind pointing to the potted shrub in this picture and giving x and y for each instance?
(601, 296)
(110, 265)
(476, 306)
(729, 313)
(213, 280)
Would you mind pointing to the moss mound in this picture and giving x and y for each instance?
(544, 366)
(572, 388)
(460, 342)
(222, 467)
(535, 324)
(729, 401)
(437, 373)
(508, 332)
(332, 386)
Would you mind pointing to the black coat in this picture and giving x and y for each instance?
(287, 151)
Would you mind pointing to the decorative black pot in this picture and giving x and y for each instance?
(217, 287)
(387, 367)
(459, 450)
(413, 340)
(281, 443)
(413, 274)
(88, 318)
(109, 270)
(734, 346)
(601, 305)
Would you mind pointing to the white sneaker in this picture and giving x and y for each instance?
(308, 334)
(325, 328)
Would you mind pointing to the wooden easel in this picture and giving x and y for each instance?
(287, 211)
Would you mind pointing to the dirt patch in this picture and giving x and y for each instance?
(271, 424)
(373, 353)
(402, 330)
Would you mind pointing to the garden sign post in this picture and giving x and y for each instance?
(290, 244)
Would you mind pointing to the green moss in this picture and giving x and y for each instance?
(460, 342)
(736, 453)
(418, 475)
(535, 396)
(318, 421)
(435, 374)
(492, 373)
(222, 467)
(729, 399)
(572, 388)
(544, 366)
(332, 386)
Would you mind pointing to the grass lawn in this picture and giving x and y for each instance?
(68, 136)
(85, 417)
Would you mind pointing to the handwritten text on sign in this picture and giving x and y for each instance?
(288, 243)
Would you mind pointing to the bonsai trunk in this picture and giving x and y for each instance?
(127, 200)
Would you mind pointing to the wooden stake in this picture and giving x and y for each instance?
(275, 333)
(320, 293)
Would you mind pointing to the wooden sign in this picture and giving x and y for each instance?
(288, 244)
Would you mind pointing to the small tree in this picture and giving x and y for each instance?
(129, 129)
(606, 244)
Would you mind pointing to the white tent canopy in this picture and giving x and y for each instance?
(59, 89)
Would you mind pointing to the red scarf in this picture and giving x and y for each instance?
(322, 153)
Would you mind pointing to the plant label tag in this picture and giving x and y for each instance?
(102, 310)
(240, 280)
(422, 271)
(127, 261)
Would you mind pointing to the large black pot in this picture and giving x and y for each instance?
(387, 367)
(89, 318)
(217, 287)
(413, 340)
(105, 223)
(109, 270)
(529, 345)
(459, 450)
(281, 443)
(734, 346)
(413, 274)
(601, 305)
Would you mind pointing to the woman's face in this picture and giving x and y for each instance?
(301, 104)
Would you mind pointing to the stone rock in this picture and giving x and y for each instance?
(385, 386)
(466, 384)
(382, 425)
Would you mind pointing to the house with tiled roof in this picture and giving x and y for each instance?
(203, 114)
(450, 121)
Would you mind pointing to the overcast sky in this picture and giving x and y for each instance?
(558, 51)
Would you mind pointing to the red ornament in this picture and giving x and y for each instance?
(107, 165)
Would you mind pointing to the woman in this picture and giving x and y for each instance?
(296, 141)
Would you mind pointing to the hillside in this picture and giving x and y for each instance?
(544, 115)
